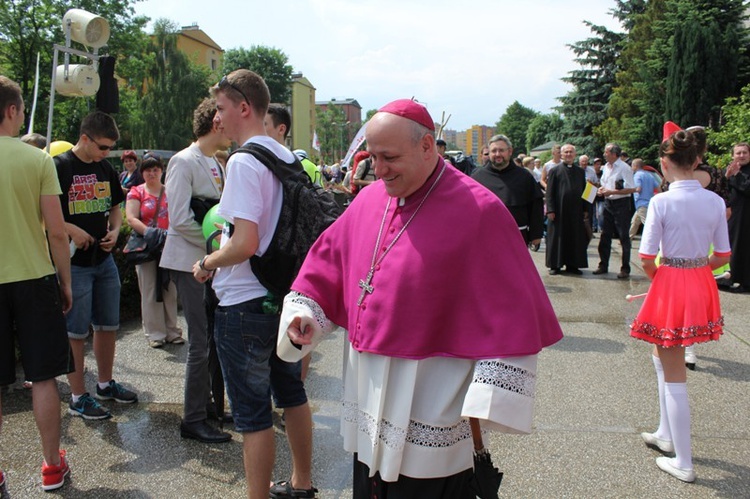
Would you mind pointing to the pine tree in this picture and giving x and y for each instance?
(680, 60)
(585, 106)
(703, 69)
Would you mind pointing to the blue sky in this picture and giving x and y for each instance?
(468, 59)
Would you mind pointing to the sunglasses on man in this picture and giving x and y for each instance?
(101, 147)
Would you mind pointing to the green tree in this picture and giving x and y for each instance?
(31, 27)
(702, 71)
(514, 123)
(331, 128)
(585, 105)
(657, 60)
(736, 118)
(270, 63)
(175, 86)
(544, 128)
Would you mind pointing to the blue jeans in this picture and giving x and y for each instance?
(246, 344)
(96, 299)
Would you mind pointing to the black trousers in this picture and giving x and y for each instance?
(451, 487)
(615, 223)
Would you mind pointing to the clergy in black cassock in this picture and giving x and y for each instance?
(516, 188)
(739, 222)
(566, 232)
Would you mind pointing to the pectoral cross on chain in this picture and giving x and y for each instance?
(366, 287)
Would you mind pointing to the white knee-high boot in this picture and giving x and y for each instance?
(664, 431)
(678, 412)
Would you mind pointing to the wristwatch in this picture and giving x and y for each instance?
(202, 265)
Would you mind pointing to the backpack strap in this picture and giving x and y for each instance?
(278, 167)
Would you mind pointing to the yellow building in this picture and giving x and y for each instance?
(303, 114)
(201, 49)
(476, 137)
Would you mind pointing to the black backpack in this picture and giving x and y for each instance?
(306, 211)
(368, 164)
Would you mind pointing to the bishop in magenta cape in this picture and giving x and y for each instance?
(458, 283)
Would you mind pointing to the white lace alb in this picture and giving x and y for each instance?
(505, 376)
(395, 437)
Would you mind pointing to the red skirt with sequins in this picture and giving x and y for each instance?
(681, 308)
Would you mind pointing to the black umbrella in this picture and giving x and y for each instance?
(486, 480)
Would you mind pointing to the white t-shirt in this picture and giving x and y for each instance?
(537, 174)
(684, 221)
(253, 193)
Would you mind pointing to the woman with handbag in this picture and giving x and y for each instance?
(159, 315)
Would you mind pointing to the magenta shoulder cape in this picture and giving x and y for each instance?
(458, 283)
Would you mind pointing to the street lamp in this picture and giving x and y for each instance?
(343, 132)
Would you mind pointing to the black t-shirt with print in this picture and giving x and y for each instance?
(89, 190)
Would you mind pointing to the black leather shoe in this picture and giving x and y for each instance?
(211, 414)
(203, 432)
(573, 270)
(623, 275)
(725, 284)
(600, 271)
(554, 271)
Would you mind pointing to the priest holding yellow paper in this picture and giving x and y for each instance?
(566, 230)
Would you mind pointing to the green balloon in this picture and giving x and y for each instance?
(209, 226)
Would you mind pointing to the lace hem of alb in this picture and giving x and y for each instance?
(417, 433)
(317, 312)
(505, 376)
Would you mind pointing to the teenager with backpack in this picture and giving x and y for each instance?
(251, 203)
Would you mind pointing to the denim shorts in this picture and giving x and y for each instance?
(246, 344)
(96, 299)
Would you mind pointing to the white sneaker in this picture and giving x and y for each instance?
(665, 446)
(666, 464)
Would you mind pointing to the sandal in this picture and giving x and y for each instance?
(285, 489)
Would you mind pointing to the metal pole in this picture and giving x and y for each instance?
(51, 100)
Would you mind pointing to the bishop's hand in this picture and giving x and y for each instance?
(300, 330)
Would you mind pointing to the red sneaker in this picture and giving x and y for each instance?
(53, 477)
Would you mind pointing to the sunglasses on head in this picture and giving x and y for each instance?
(101, 147)
(225, 81)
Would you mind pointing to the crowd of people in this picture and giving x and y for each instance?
(420, 373)
(687, 227)
(624, 189)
